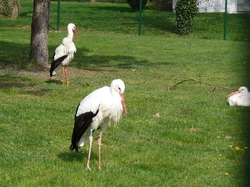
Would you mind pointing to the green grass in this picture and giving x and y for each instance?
(118, 18)
(188, 145)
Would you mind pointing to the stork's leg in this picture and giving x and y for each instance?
(90, 147)
(64, 74)
(99, 152)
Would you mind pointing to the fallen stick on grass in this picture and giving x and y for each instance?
(191, 79)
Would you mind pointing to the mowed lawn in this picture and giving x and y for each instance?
(179, 130)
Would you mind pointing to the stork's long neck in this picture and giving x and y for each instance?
(112, 91)
(70, 34)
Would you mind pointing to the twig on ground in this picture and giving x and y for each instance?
(191, 79)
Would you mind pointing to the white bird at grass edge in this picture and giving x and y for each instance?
(239, 98)
(64, 54)
(96, 111)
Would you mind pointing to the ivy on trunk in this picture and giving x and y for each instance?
(185, 11)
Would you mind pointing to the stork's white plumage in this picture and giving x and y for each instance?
(239, 98)
(96, 111)
(64, 53)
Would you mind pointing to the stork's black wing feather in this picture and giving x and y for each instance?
(82, 123)
(56, 63)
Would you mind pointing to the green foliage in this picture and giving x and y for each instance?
(135, 4)
(185, 11)
(10, 8)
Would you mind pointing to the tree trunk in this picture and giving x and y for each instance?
(39, 32)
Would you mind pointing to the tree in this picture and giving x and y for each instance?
(39, 32)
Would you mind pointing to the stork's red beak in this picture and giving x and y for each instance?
(123, 104)
(75, 33)
(233, 93)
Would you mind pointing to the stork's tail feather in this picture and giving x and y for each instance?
(55, 64)
(72, 147)
(52, 73)
(82, 123)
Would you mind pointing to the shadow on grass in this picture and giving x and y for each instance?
(110, 8)
(11, 80)
(17, 55)
(98, 62)
(53, 81)
(13, 54)
(71, 156)
(8, 80)
(165, 24)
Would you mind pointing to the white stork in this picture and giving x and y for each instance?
(239, 98)
(96, 111)
(64, 53)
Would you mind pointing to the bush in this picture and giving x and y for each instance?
(135, 4)
(185, 11)
(10, 8)
(163, 5)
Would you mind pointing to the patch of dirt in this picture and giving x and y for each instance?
(43, 72)
(2, 16)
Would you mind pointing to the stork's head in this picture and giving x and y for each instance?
(118, 86)
(242, 90)
(72, 27)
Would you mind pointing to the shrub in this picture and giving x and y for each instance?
(10, 8)
(135, 4)
(163, 5)
(185, 11)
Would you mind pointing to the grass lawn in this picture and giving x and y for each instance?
(174, 135)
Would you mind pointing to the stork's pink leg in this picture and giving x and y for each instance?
(66, 75)
(90, 147)
(99, 153)
(63, 74)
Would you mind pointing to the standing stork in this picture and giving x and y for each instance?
(64, 54)
(96, 111)
(239, 98)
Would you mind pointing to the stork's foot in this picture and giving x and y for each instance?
(88, 168)
(52, 78)
(97, 137)
(65, 82)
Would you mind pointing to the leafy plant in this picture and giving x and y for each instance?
(185, 11)
(10, 8)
